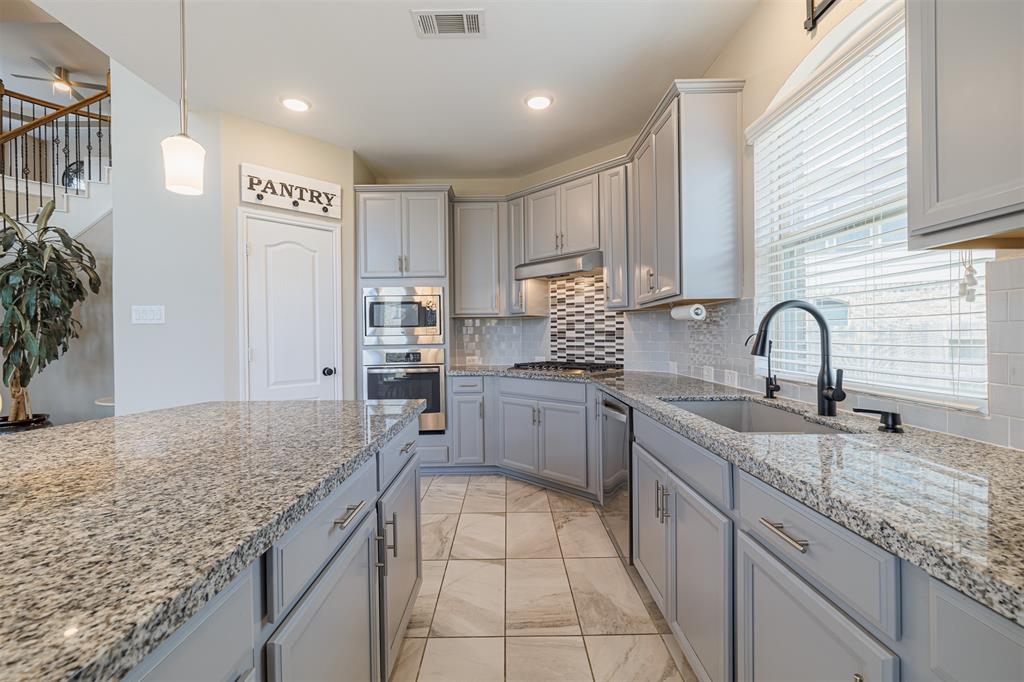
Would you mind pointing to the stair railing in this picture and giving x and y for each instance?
(48, 150)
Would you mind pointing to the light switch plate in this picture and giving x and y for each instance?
(709, 373)
(148, 314)
(732, 378)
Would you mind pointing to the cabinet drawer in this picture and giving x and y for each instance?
(299, 555)
(860, 575)
(568, 391)
(708, 473)
(393, 456)
(433, 454)
(467, 384)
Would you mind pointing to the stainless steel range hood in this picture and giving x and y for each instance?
(560, 266)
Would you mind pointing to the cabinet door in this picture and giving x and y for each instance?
(380, 234)
(580, 215)
(563, 442)
(517, 256)
(401, 572)
(425, 227)
(468, 432)
(332, 632)
(476, 259)
(666, 197)
(965, 96)
(646, 222)
(543, 215)
(650, 527)
(787, 631)
(701, 611)
(518, 433)
(614, 238)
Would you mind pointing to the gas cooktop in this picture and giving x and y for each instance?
(568, 366)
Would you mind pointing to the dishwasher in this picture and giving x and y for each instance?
(616, 434)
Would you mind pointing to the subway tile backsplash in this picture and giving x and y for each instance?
(499, 341)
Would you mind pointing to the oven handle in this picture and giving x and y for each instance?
(403, 368)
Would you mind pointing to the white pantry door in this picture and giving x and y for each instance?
(291, 310)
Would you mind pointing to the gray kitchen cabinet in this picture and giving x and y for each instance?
(645, 218)
(651, 513)
(543, 218)
(517, 434)
(700, 612)
(524, 297)
(562, 432)
(786, 630)
(965, 141)
(332, 633)
(477, 251)
(467, 415)
(667, 275)
(400, 557)
(580, 220)
(614, 237)
(402, 234)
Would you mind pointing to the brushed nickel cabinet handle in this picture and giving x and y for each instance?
(411, 445)
(400, 269)
(777, 529)
(351, 512)
(857, 677)
(481, 408)
(657, 500)
(664, 502)
(394, 534)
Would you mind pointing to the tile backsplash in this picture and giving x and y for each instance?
(581, 329)
(499, 341)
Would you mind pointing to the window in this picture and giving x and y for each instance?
(830, 227)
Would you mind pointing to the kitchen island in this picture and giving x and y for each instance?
(117, 531)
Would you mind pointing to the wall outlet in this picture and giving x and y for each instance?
(148, 314)
(732, 378)
(709, 373)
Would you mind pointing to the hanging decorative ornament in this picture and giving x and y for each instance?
(184, 158)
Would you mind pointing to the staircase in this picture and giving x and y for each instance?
(51, 152)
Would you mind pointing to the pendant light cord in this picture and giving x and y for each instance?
(184, 91)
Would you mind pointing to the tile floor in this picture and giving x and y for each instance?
(520, 583)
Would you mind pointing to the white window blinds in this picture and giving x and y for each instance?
(830, 226)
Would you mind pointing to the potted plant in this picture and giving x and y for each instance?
(41, 281)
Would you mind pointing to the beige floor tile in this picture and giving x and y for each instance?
(472, 600)
(525, 497)
(581, 534)
(451, 481)
(407, 665)
(480, 536)
(438, 532)
(537, 599)
(605, 598)
(660, 624)
(682, 665)
(631, 658)
(531, 535)
(563, 502)
(479, 659)
(551, 659)
(424, 484)
(485, 496)
(443, 499)
(423, 609)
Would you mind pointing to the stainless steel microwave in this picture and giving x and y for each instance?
(402, 316)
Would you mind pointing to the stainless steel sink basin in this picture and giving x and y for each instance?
(746, 416)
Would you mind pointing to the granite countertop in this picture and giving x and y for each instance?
(116, 531)
(952, 506)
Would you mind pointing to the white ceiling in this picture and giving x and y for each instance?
(423, 108)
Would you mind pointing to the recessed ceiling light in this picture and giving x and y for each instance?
(295, 104)
(538, 102)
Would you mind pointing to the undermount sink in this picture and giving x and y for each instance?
(747, 416)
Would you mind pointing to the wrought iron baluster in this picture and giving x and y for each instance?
(88, 140)
(54, 141)
(37, 145)
(99, 137)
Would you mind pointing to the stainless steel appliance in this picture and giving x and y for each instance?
(560, 266)
(616, 435)
(408, 374)
(402, 316)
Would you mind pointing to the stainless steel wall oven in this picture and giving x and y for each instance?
(408, 374)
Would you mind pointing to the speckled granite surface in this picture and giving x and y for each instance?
(116, 531)
(952, 506)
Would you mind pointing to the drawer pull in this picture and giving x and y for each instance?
(394, 534)
(777, 528)
(351, 512)
(407, 447)
(664, 502)
(657, 500)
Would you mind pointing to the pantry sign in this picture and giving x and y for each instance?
(269, 187)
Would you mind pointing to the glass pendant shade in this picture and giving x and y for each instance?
(183, 164)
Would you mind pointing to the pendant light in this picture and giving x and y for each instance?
(184, 158)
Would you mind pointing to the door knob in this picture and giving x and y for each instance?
(328, 371)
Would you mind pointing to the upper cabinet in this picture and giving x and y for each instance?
(563, 220)
(477, 250)
(522, 297)
(402, 234)
(614, 237)
(965, 138)
(686, 185)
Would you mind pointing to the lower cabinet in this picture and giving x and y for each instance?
(651, 527)
(467, 418)
(518, 434)
(400, 559)
(332, 633)
(700, 614)
(785, 630)
(563, 440)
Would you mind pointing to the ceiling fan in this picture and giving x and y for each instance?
(60, 77)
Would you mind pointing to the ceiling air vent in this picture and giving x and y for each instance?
(449, 23)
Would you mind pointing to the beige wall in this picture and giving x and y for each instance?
(246, 141)
(764, 52)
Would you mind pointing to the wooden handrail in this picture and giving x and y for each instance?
(50, 105)
(54, 115)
